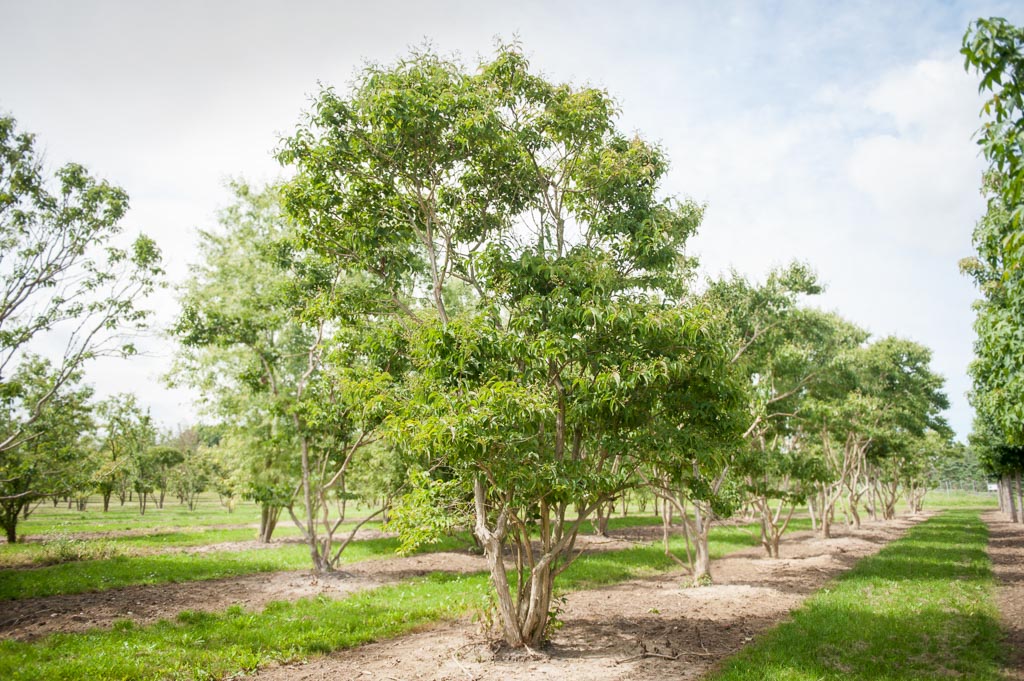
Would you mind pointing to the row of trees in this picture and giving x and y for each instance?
(995, 50)
(79, 448)
(472, 304)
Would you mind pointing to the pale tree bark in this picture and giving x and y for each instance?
(1020, 498)
(1011, 500)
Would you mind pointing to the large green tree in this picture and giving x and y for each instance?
(789, 354)
(65, 282)
(994, 48)
(579, 354)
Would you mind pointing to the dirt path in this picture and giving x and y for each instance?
(30, 618)
(1006, 549)
(608, 631)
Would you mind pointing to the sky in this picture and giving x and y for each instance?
(835, 133)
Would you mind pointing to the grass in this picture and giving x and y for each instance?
(208, 512)
(959, 499)
(46, 518)
(203, 646)
(42, 553)
(110, 573)
(920, 609)
(127, 569)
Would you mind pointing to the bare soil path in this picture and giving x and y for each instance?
(1006, 550)
(642, 629)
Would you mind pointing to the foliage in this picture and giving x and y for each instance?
(126, 446)
(49, 450)
(431, 508)
(575, 349)
(64, 280)
(993, 47)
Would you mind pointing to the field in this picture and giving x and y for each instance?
(180, 594)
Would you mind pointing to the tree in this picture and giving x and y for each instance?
(164, 458)
(128, 436)
(49, 448)
(579, 350)
(191, 476)
(787, 355)
(63, 280)
(891, 398)
(1003, 462)
(270, 333)
(241, 345)
(995, 49)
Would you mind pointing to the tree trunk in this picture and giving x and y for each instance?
(1020, 498)
(702, 554)
(603, 513)
(1010, 496)
(853, 511)
(499, 580)
(825, 524)
(9, 520)
(268, 521)
(320, 562)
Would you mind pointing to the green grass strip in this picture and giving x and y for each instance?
(921, 609)
(204, 646)
(128, 570)
(207, 646)
(110, 573)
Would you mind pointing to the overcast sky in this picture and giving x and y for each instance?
(835, 133)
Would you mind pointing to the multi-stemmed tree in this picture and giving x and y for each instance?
(578, 354)
(276, 336)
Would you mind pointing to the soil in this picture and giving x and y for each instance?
(649, 628)
(1006, 550)
(31, 618)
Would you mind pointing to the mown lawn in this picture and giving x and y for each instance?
(110, 573)
(921, 609)
(201, 646)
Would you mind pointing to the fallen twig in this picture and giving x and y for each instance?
(463, 668)
(643, 655)
(700, 639)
